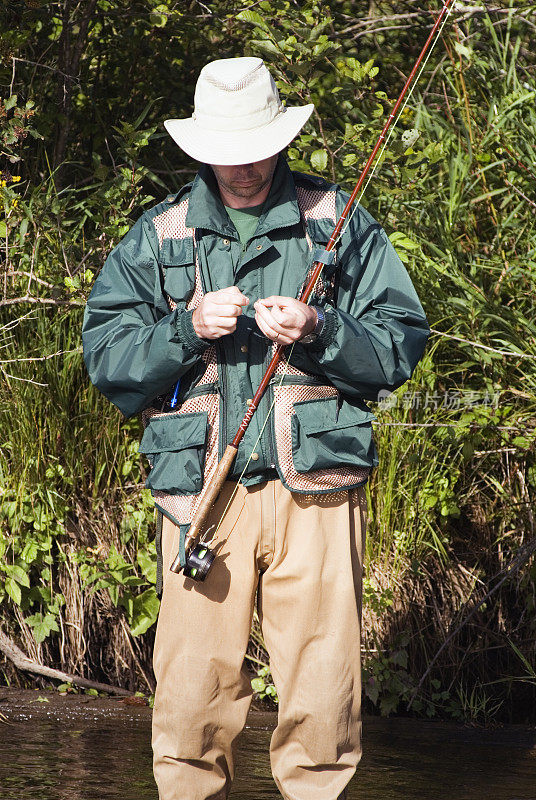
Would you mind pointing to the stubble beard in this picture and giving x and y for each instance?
(244, 192)
(258, 185)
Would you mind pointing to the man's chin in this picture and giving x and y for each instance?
(246, 190)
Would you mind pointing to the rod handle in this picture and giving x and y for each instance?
(207, 501)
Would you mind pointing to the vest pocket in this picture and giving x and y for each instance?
(175, 445)
(178, 264)
(325, 435)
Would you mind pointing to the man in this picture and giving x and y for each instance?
(180, 325)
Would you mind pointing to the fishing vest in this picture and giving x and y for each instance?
(181, 505)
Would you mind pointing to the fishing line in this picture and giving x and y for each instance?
(264, 424)
(392, 129)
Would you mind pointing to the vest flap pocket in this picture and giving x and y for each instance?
(177, 259)
(176, 432)
(176, 449)
(326, 437)
(177, 252)
(317, 416)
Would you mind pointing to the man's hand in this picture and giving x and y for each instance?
(284, 319)
(217, 312)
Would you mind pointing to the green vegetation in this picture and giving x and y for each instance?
(448, 629)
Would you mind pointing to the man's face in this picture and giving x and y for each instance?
(246, 180)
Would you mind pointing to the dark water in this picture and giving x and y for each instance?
(96, 753)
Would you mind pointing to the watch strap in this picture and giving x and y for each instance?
(315, 333)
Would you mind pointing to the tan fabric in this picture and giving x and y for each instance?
(308, 552)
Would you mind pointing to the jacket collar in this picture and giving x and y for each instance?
(206, 210)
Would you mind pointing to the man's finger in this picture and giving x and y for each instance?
(227, 310)
(230, 295)
(278, 300)
(266, 328)
(279, 319)
(233, 295)
(269, 320)
(285, 318)
(274, 331)
(272, 334)
(221, 327)
(224, 322)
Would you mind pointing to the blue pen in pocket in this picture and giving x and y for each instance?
(173, 401)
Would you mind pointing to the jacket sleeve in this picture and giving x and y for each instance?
(376, 335)
(134, 348)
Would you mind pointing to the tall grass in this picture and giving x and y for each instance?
(453, 495)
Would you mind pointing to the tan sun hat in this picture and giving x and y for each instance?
(238, 117)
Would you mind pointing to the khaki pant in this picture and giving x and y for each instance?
(304, 555)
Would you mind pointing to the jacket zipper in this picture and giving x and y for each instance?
(223, 400)
(221, 385)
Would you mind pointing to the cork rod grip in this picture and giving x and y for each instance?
(207, 501)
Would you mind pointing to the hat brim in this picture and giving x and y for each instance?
(228, 148)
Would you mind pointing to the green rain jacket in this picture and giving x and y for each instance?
(374, 334)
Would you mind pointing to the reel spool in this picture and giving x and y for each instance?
(198, 562)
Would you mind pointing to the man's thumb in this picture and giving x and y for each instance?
(241, 298)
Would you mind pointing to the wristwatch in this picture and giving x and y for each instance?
(313, 336)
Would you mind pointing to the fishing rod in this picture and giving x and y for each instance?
(196, 558)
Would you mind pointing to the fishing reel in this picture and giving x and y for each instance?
(194, 558)
(198, 562)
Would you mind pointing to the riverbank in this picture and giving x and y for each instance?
(79, 747)
(18, 705)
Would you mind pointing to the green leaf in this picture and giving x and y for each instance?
(65, 687)
(388, 704)
(319, 160)
(258, 685)
(253, 18)
(319, 28)
(10, 102)
(462, 50)
(144, 612)
(42, 626)
(29, 553)
(372, 690)
(266, 46)
(159, 16)
(23, 229)
(18, 574)
(148, 566)
(13, 590)
(399, 657)
(401, 241)
(522, 441)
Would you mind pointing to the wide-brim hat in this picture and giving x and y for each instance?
(238, 116)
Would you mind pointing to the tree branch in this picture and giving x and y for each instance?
(43, 300)
(22, 662)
